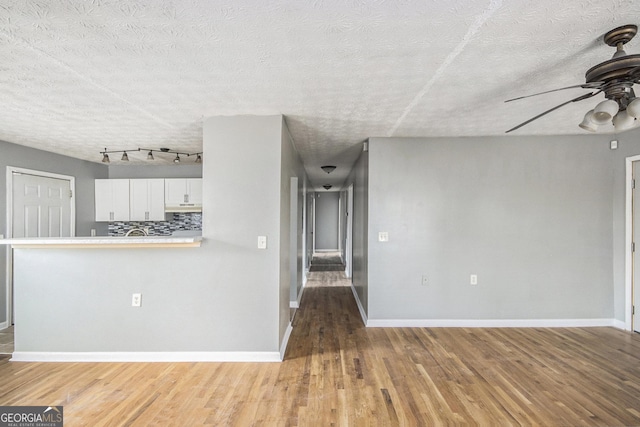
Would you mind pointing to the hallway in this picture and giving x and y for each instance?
(337, 372)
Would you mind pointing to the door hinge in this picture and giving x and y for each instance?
(70, 193)
(633, 184)
(633, 310)
(633, 246)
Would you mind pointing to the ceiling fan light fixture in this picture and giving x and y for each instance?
(633, 109)
(623, 121)
(588, 123)
(605, 111)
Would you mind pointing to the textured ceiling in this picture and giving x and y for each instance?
(77, 76)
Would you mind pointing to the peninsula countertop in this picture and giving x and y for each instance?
(105, 242)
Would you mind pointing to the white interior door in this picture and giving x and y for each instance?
(635, 289)
(41, 206)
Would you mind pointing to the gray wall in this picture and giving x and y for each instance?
(227, 295)
(359, 177)
(29, 158)
(532, 217)
(155, 171)
(291, 246)
(327, 216)
(628, 146)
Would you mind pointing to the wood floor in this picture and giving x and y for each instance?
(337, 372)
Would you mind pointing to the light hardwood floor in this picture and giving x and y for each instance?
(337, 372)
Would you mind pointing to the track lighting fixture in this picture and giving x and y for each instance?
(150, 151)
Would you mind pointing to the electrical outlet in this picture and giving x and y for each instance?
(383, 236)
(136, 300)
(425, 280)
(473, 279)
(262, 242)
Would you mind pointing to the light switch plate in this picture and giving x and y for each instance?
(262, 242)
(383, 236)
(614, 144)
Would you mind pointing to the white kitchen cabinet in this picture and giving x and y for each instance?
(112, 199)
(183, 194)
(146, 200)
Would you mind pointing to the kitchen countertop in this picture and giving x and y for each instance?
(103, 242)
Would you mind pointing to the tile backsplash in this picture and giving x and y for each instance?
(179, 222)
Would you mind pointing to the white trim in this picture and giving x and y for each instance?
(285, 341)
(4, 325)
(490, 323)
(363, 313)
(296, 304)
(9, 221)
(177, 356)
(619, 324)
(628, 264)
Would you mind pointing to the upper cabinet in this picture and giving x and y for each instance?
(112, 200)
(146, 200)
(183, 195)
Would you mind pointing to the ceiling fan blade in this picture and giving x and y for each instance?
(580, 98)
(592, 85)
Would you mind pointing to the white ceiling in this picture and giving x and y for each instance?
(77, 76)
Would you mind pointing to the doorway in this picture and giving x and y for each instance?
(39, 204)
(632, 291)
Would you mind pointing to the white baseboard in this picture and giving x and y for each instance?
(285, 341)
(490, 323)
(177, 356)
(296, 304)
(620, 324)
(363, 313)
(4, 325)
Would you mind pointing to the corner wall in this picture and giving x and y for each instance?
(359, 177)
